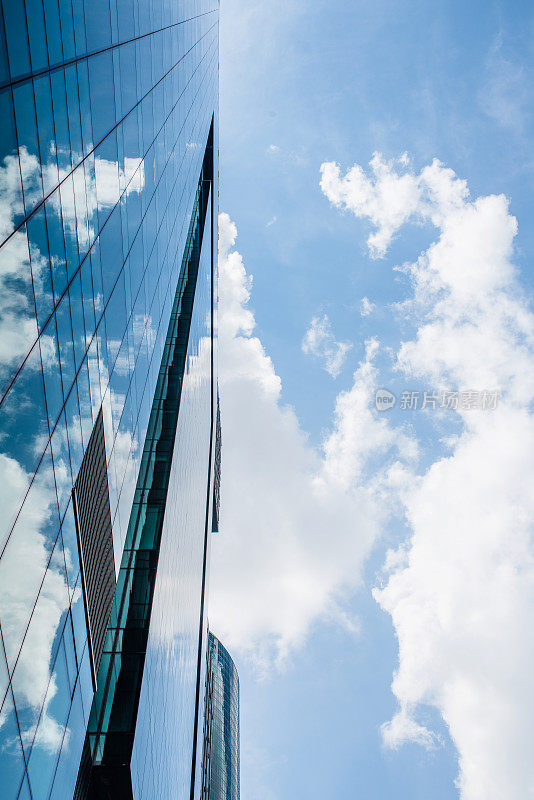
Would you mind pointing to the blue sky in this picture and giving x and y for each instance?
(303, 85)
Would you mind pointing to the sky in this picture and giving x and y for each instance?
(374, 574)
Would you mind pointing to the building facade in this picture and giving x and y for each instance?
(108, 231)
(221, 745)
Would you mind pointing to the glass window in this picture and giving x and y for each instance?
(49, 736)
(18, 307)
(62, 470)
(56, 244)
(98, 26)
(13, 209)
(86, 684)
(66, 347)
(68, 212)
(51, 371)
(70, 755)
(70, 547)
(101, 85)
(24, 424)
(79, 26)
(47, 137)
(72, 412)
(42, 276)
(30, 165)
(94, 376)
(87, 298)
(79, 623)
(84, 397)
(80, 197)
(4, 61)
(85, 102)
(53, 31)
(78, 324)
(29, 547)
(67, 29)
(17, 37)
(61, 120)
(73, 104)
(38, 52)
(11, 759)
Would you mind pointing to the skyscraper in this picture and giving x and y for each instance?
(108, 209)
(221, 747)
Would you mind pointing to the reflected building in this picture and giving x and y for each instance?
(221, 770)
(108, 403)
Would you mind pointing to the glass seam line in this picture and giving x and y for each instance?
(76, 272)
(47, 70)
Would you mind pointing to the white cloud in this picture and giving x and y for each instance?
(389, 198)
(366, 307)
(297, 523)
(461, 591)
(320, 341)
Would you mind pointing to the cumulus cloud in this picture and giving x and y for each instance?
(388, 197)
(320, 342)
(460, 592)
(297, 522)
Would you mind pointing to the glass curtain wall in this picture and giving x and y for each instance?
(106, 107)
(223, 749)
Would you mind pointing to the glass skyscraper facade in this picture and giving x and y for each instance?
(108, 209)
(221, 746)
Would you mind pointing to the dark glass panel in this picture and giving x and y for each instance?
(53, 31)
(85, 105)
(4, 60)
(67, 29)
(47, 136)
(79, 26)
(102, 91)
(36, 33)
(98, 25)
(17, 37)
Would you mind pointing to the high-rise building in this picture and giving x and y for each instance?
(221, 770)
(108, 403)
